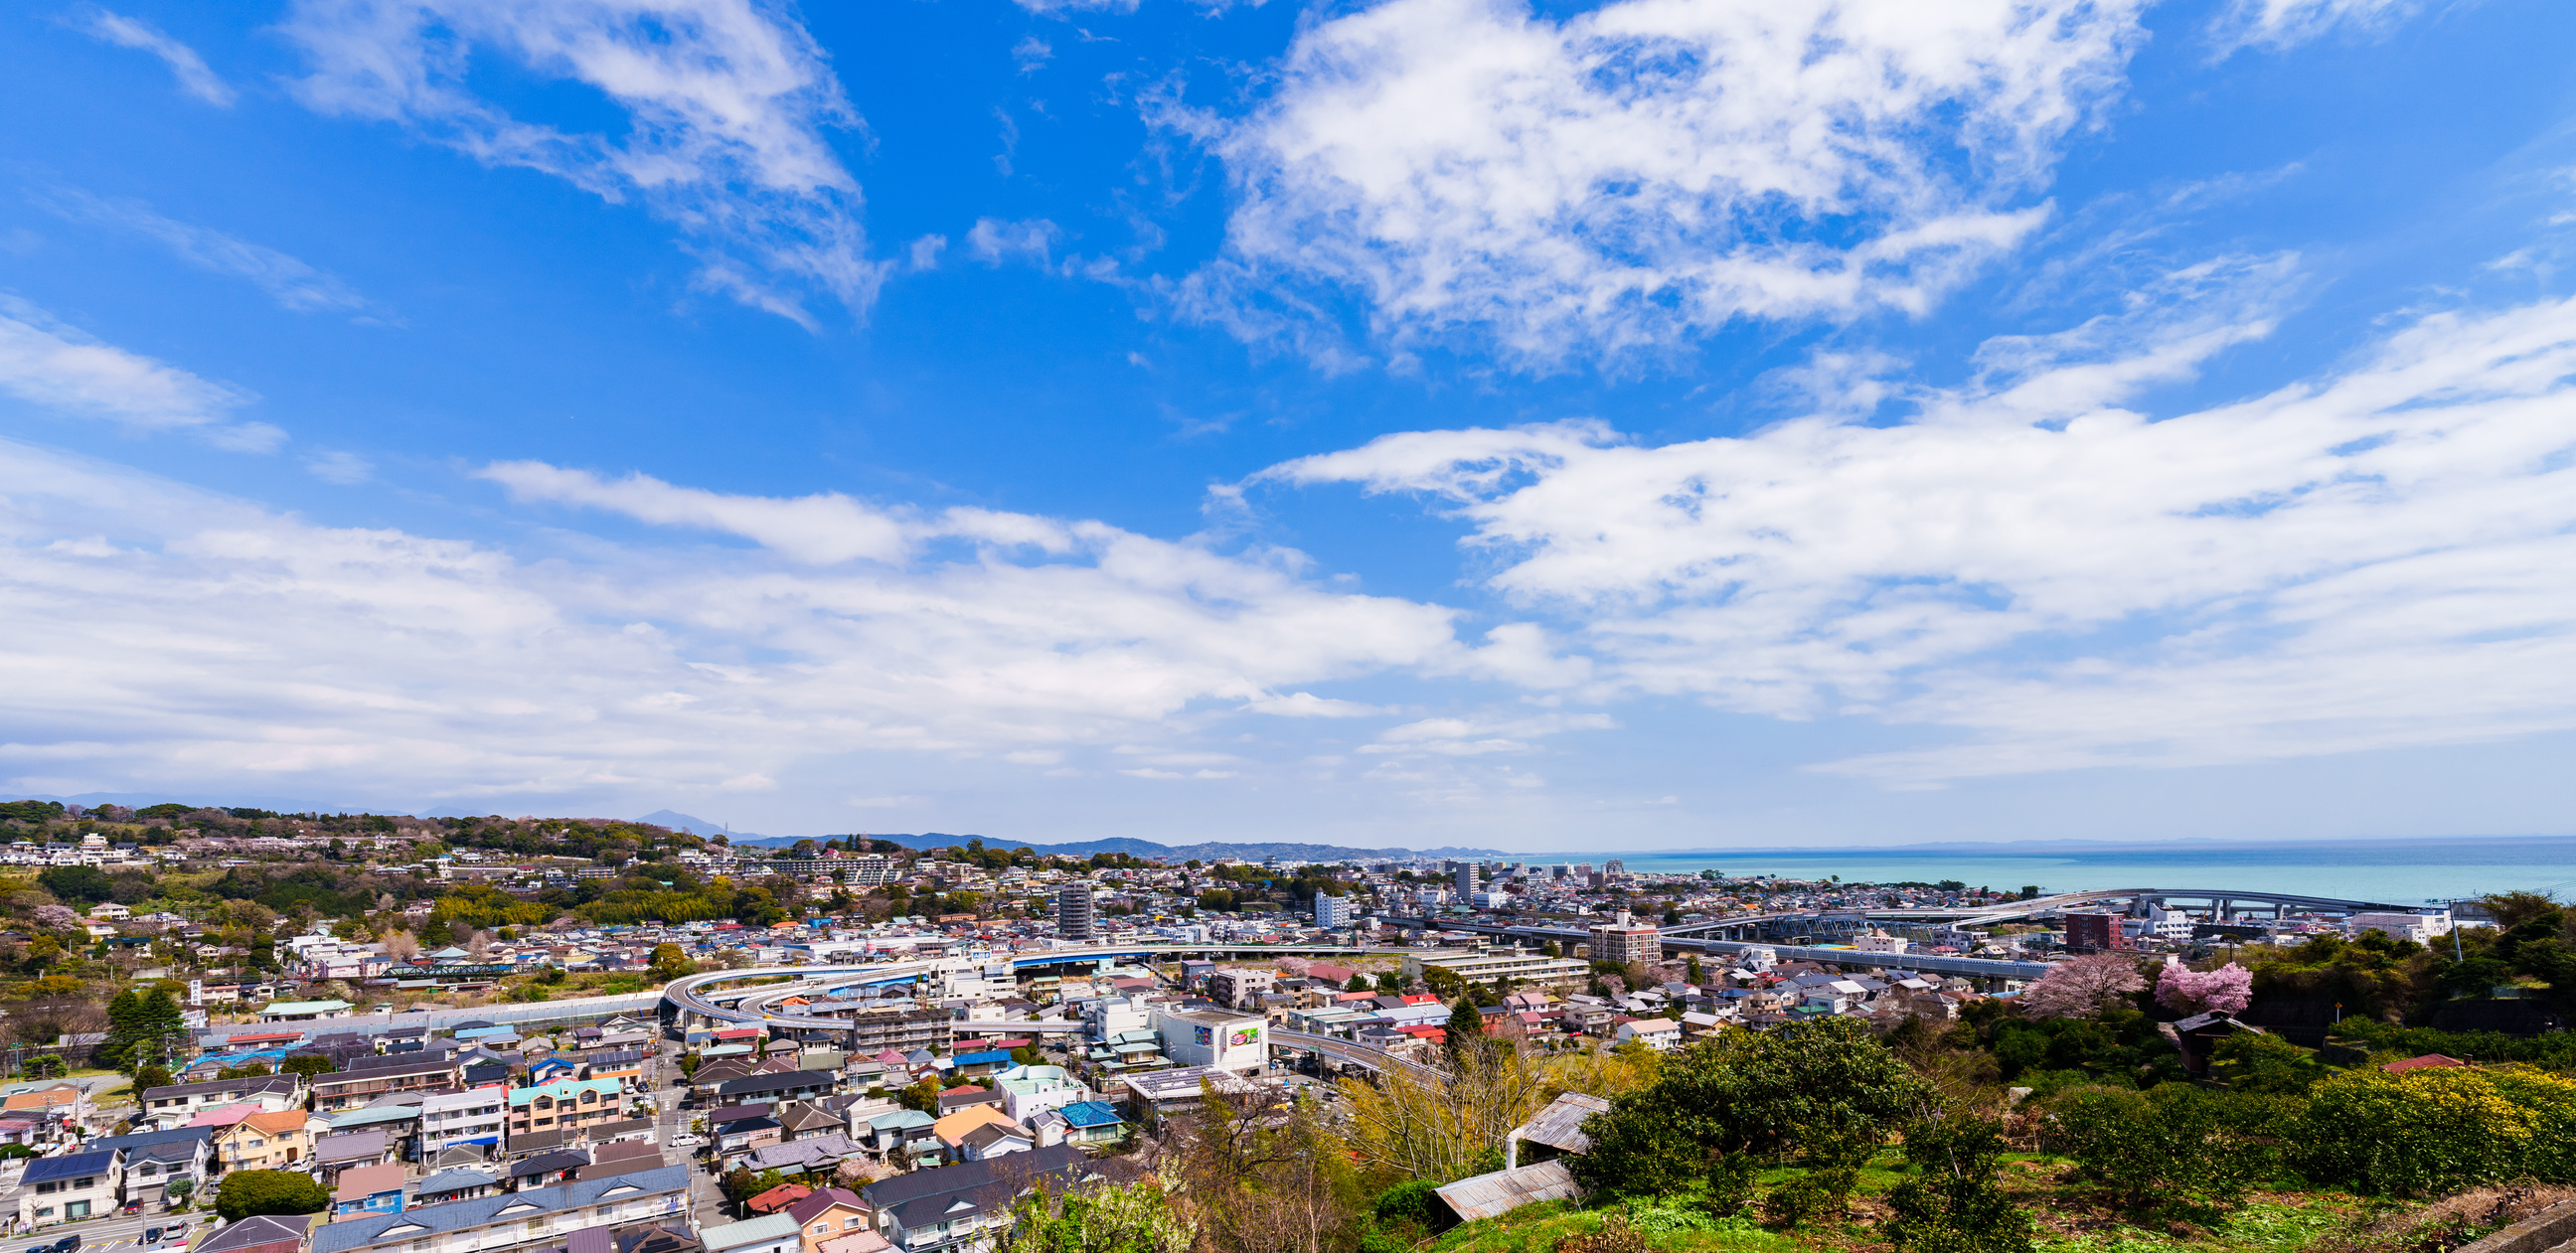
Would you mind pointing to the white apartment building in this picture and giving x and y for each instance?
(459, 1118)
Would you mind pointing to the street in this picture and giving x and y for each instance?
(706, 1202)
(111, 1235)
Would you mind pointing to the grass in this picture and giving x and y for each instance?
(2066, 1216)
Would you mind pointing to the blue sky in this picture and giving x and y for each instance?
(1432, 422)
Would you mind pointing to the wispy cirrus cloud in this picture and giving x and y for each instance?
(2275, 25)
(291, 282)
(1625, 178)
(63, 370)
(194, 75)
(726, 103)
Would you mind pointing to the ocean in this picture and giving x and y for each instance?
(2396, 872)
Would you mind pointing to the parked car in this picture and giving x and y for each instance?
(687, 1141)
(68, 1244)
(152, 1235)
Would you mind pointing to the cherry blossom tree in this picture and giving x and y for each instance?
(2186, 991)
(2081, 987)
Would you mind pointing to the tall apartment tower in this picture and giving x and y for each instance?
(1332, 911)
(1625, 940)
(1468, 882)
(1073, 917)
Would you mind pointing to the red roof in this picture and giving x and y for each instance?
(1422, 999)
(778, 1198)
(740, 1033)
(2429, 1061)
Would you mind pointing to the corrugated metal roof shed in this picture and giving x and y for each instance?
(1560, 1125)
(1490, 1196)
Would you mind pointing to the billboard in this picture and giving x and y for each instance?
(1241, 1037)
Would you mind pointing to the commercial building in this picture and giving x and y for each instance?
(1236, 1042)
(1073, 915)
(449, 1119)
(2416, 927)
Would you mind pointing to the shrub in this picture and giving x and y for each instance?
(2438, 1130)
(1730, 1184)
(1816, 1194)
(2172, 1143)
(1955, 1206)
(247, 1192)
(1616, 1236)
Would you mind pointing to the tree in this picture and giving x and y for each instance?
(1359, 983)
(1464, 1033)
(669, 963)
(1825, 1088)
(2224, 990)
(306, 1064)
(1955, 1205)
(80, 884)
(2167, 1144)
(1119, 1218)
(151, 1075)
(2082, 987)
(247, 1192)
(401, 946)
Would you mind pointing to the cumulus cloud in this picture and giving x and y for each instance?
(243, 642)
(1650, 169)
(292, 283)
(63, 370)
(2371, 559)
(725, 107)
(195, 78)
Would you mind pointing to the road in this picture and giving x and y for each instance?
(706, 1201)
(111, 1235)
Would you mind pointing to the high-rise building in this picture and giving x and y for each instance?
(1614, 866)
(1073, 917)
(1625, 940)
(1469, 881)
(1332, 911)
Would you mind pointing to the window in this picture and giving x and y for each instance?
(45, 1211)
(48, 1188)
(75, 1209)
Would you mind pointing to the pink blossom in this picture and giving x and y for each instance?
(2186, 991)
(2081, 987)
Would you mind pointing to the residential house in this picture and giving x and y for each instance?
(62, 1105)
(69, 1188)
(956, 1099)
(631, 1068)
(547, 1169)
(398, 1117)
(781, 1086)
(538, 1219)
(397, 1073)
(265, 1141)
(953, 1129)
(350, 1150)
(260, 1233)
(376, 1189)
(896, 1130)
(995, 1139)
(817, 1156)
(769, 1233)
(967, 1204)
(474, 1116)
(305, 1011)
(1028, 1090)
(776, 1200)
(830, 1214)
(565, 1105)
(1083, 1122)
(461, 1184)
(162, 1166)
(1660, 1034)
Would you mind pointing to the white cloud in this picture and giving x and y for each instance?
(346, 469)
(162, 634)
(994, 241)
(819, 529)
(2373, 559)
(2275, 25)
(61, 369)
(292, 283)
(1476, 737)
(1031, 53)
(725, 107)
(1309, 705)
(185, 65)
(1649, 169)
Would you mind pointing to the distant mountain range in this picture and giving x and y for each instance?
(1147, 848)
(694, 825)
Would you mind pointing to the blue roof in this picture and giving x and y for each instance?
(1090, 1114)
(68, 1166)
(978, 1059)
